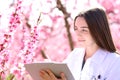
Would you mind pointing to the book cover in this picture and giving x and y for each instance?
(34, 69)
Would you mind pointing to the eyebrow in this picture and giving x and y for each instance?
(82, 27)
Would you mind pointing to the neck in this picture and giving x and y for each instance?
(90, 51)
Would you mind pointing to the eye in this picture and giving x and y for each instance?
(84, 30)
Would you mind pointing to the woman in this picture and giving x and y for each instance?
(97, 58)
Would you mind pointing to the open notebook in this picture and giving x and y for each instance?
(34, 69)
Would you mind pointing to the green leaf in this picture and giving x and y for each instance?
(0, 78)
(10, 77)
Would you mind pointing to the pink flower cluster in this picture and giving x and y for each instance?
(8, 38)
(24, 42)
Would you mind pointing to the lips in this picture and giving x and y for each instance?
(81, 40)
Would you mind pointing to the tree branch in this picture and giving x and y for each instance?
(67, 25)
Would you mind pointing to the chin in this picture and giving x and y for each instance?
(81, 46)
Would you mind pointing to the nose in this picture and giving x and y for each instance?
(79, 37)
(78, 33)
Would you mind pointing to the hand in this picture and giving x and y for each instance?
(48, 75)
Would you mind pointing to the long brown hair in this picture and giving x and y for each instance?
(99, 28)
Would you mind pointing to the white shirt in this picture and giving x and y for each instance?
(103, 65)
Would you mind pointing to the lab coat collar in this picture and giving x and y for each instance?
(99, 56)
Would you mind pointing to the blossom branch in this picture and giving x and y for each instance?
(67, 25)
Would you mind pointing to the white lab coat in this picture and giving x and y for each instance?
(102, 64)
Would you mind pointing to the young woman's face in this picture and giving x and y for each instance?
(84, 37)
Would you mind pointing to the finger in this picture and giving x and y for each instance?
(63, 76)
(44, 75)
(51, 75)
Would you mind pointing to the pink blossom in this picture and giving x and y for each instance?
(24, 40)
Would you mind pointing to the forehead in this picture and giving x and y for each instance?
(80, 21)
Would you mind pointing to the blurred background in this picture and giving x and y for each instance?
(34, 30)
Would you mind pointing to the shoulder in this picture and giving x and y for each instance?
(115, 61)
(117, 58)
(114, 70)
(111, 65)
(113, 58)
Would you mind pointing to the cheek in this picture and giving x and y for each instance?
(89, 39)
